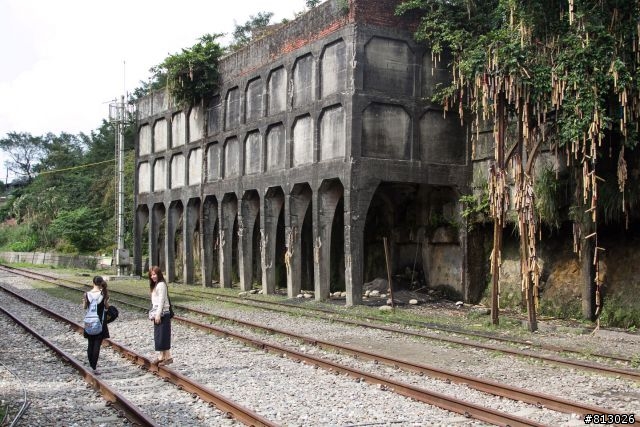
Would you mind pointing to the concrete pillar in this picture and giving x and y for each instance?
(171, 225)
(324, 208)
(207, 226)
(155, 221)
(191, 218)
(356, 206)
(249, 209)
(227, 215)
(273, 202)
(321, 250)
(297, 205)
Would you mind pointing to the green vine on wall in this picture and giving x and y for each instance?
(192, 74)
(475, 207)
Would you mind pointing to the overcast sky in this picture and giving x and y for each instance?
(64, 61)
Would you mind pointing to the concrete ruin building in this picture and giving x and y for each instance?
(320, 143)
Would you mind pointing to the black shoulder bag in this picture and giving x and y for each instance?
(171, 314)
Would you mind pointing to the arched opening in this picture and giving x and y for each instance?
(337, 249)
(331, 269)
(175, 263)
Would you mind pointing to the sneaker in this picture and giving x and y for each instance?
(166, 362)
(96, 372)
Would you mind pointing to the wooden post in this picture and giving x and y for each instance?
(386, 257)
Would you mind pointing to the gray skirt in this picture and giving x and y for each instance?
(162, 333)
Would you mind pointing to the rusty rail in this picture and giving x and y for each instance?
(131, 411)
(234, 409)
(488, 386)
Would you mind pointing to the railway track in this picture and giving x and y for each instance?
(513, 346)
(536, 399)
(126, 373)
(437, 332)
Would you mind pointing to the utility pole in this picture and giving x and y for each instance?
(117, 115)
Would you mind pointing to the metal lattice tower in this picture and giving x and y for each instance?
(118, 116)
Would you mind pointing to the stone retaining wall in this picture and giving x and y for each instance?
(46, 258)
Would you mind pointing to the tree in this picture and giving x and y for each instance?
(82, 227)
(243, 34)
(545, 72)
(24, 152)
(192, 74)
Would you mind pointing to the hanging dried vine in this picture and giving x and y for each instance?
(564, 73)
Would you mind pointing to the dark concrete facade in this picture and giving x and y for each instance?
(320, 142)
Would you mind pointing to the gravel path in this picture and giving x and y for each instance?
(295, 394)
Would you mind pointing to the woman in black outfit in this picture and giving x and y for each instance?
(94, 342)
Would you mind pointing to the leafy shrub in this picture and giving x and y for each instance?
(82, 227)
(620, 312)
(18, 238)
(571, 309)
(192, 74)
(28, 245)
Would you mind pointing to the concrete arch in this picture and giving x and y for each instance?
(194, 169)
(210, 239)
(442, 139)
(160, 136)
(159, 175)
(299, 240)
(196, 123)
(446, 241)
(303, 80)
(232, 109)
(275, 147)
(272, 240)
(141, 240)
(214, 161)
(191, 247)
(389, 66)
(174, 234)
(386, 132)
(254, 91)
(214, 115)
(333, 68)
(177, 171)
(328, 198)
(231, 163)
(303, 146)
(252, 147)
(277, 91)
(178, 129)
(419, 222)
(333, 133)
(144, 140)
(248, 215)
(157, 234)
(378, 224)
(228, 225)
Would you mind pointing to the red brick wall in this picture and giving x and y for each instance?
(314, 25)
(381, 13)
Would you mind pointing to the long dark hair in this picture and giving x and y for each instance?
(155, 269)
(100, 282)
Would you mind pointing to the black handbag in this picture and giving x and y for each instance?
(112, 314)
(171, 314)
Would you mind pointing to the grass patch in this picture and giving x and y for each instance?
(620, 312)
(59, 292)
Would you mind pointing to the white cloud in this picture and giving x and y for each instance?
(64, 60)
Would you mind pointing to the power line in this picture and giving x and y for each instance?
(75, 167)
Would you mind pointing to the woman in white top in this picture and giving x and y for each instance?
(100, 294)
(160, 315)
